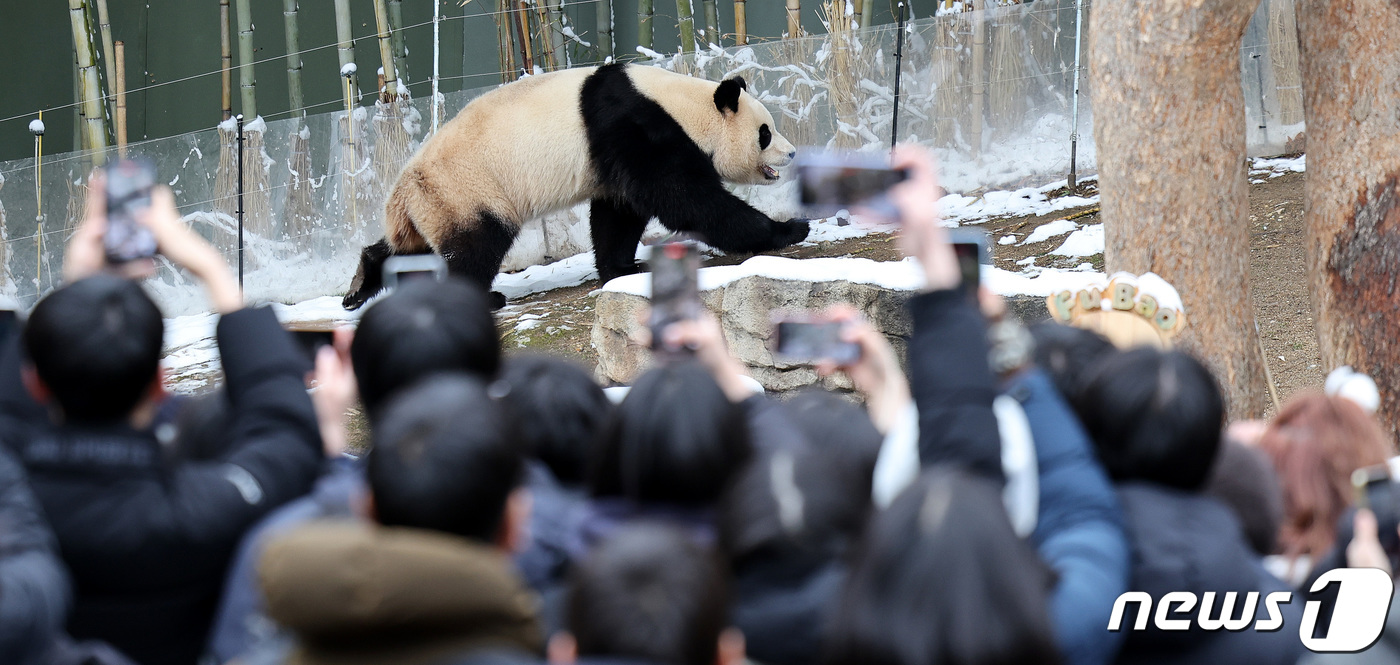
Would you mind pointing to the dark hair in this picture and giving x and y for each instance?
(674, 439)
(1068, 353)
(559, 410)
(838, 427)
(421, 328)
(942, 578)
(96, 344)
(649, 593)
(444, 458)
(802, 502)
(1243, 478)
(1154, 415)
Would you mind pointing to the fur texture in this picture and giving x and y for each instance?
(639, 142)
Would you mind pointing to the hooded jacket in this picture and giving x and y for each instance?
(1184, 541)
(367, 594)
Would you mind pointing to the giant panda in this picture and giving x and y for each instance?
(635, 141)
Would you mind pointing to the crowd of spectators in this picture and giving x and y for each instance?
(986, 506)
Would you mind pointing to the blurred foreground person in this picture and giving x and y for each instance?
(147, 541)
(941, 579)
(1156, 419)
(1315, 443)
(433, 579)
(422, 328)
(648, 595)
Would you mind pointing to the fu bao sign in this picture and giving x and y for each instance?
(1363, 601)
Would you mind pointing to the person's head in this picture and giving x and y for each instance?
(649, 593)
(559, 410)
(421, 328)
(942, 578)
(674, 439)
(1315, 443)
(805, 503)
(1067, 354)
(1244, 479)
(838, 427)
(1155, 416)
(446, 458)
(94, 349)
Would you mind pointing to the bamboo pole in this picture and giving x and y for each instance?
(741, 23)
(605, 29)
(247, 84)
(289, 19)
(390, 87)
(556, 33)
(94, 132)
(686, 23)
(544, 30)
(104, 28)
(794, 19)
(345, 48)
(505, 42)
(521, 14)
(120, 55)
(712, 33)
(396, 37)
(225, 61)
(867, 13)
(645, 30)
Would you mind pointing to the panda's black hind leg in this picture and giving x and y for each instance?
(369, 277)
(476, 254)
(615, 230)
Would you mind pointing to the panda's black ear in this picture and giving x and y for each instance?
(727, 94)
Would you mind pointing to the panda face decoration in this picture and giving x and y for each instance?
(749, 150)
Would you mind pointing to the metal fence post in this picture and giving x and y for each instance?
(1074, 113)
(898, 67)
(240, 201)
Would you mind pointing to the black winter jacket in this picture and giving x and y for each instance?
(1184, 541)
(147, 543)
(33, 585)
(952, 384)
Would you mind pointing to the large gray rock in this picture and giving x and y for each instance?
(745, 308)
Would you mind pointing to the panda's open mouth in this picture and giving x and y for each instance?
(768, 172)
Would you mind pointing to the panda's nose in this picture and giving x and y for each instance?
(792, 154)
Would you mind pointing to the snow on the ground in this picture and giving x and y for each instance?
(1087, 241)
(1049, 230)
(902, 275)
(1027, 201)
(1280, 166)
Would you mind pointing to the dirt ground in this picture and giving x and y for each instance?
(559, 321)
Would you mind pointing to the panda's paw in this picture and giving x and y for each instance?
(496, 299)
(354, 300)
(792, 231)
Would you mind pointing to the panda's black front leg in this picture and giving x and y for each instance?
(727, 223)
(616, 230)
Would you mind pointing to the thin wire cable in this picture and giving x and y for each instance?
(283, 56)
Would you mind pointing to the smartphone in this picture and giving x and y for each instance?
(811, 340)
(675, 288)
(9, 322)
(311, 341)
(403, 269)
(129, 184)
(970, 246)
(829, 182)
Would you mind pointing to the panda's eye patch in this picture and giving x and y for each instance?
(765, 136)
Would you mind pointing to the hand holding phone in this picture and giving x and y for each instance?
(970, 246)
(831, 182)
(129, 185)
(675, 290)
(403, 269)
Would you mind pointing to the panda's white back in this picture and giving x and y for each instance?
(520, 149)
